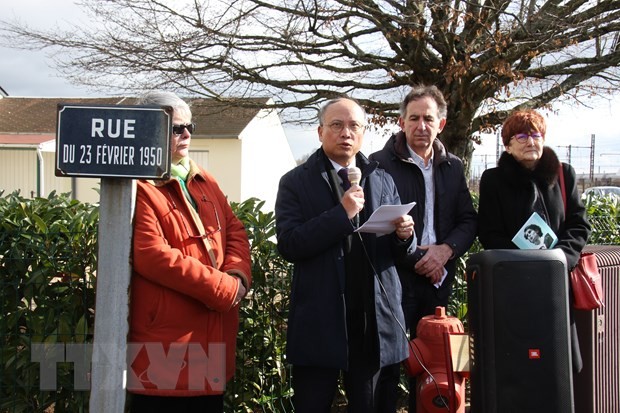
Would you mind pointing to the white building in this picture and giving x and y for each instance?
(244, 148)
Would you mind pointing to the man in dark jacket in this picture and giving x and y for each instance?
(345, 312)
(445, 219)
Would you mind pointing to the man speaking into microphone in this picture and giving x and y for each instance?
(345, 313)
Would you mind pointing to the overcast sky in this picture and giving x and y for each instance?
(29, 73)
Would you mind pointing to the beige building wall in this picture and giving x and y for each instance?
(225, 167)
(252, 165)
(86, 189)
(80, 188)
(52, 182)
(18, 171)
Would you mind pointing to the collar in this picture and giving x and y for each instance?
(338, 167)
(194, 172)
(180, 169)
(545, 171)
(319, 160)
(417, 159)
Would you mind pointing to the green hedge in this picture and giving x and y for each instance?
(47, 295)
(262, 378)
(604, 216)
(48, 250)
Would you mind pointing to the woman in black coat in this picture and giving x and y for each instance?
(526, 181)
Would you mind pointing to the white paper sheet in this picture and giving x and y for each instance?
(380, 222)
(443, 277)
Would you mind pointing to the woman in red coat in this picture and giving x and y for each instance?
(191, 268)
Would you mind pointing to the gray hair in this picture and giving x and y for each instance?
(323, 109)
(163, 98)
(420, 91)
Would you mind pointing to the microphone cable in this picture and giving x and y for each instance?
(355, 224)
(402, 328)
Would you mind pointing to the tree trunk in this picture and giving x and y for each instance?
(456, 135)
(458, 144)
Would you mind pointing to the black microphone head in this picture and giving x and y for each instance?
(355, 175)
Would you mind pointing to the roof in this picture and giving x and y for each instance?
(214, 119)
(24, 139)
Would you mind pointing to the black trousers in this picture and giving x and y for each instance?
(164, 404)
(369, 389)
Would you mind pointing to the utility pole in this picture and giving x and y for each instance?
(592, 141)
(498, 149)
(569, 154)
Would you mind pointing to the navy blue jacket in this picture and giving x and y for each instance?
(312, 227)
(455, 216)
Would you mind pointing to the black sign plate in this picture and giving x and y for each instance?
(113, 141)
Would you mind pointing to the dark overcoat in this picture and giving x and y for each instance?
(312, 226)
(455, 217)
(508, 196)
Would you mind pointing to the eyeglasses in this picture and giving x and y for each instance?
(207, 233)
(183, 219)
(523, 137)
(338, 126)
(178, 129)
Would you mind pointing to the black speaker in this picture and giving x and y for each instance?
(519, 328)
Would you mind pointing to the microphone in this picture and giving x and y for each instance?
(355, 175)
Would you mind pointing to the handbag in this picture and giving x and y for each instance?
(586, 283)
(585, 279)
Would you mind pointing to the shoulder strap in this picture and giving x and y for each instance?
(562, 186)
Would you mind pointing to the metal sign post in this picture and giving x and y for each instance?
(109, 359)
(118, 144)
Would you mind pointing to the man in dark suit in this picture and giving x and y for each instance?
(345, 312)
(446, 222)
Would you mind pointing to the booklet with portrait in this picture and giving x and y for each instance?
(535, 234)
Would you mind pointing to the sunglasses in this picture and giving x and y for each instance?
(178, 129)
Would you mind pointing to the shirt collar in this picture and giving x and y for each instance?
(338, 167)
(418, 159)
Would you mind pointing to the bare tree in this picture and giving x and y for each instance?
(487, 56)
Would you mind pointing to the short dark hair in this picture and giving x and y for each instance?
(420, 91)
(534, 228)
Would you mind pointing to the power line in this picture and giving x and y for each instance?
(591, 147)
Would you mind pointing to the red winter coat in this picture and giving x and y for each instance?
(183, 325)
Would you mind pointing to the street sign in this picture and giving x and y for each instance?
(113, 141)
